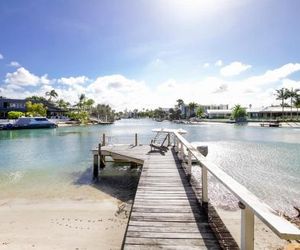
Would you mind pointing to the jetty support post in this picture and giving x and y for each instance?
(169, 139)
(95, 167)
(247, 227)
(101, 157)
(103, 139)
(135, 139)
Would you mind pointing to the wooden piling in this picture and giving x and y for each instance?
(101, 157)
(103, 139)
(135, 140)
(95, 168)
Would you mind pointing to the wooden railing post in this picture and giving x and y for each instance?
(204, 185)
(189, 168)
(169, 139)
(103, 139)
(247, 227)
(175, 143)
(181, 151)
(135, 139)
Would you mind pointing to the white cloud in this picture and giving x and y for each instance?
(290, 84)
(219, 63)
(206, 65)
(14, 64)
(222, 88)
(121, 92)
(23, 77)
(234, 68)
(1, 56)
(73, 80)
(273, 76)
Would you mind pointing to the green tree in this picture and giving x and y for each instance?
(36, 98)
(82, 116)
(297, 103)
(200, 112)
(103, 112)
(192, 106)
(15, 114)
(62, 104)
(51, 94)
(238, 113)
(282, 94)
(89, 104)
(35, 109)
(179, 102)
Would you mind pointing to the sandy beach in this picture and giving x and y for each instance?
(61, 224)
(264, 237)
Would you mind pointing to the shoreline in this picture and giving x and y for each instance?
(75, 224)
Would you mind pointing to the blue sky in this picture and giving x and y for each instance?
(131, 52)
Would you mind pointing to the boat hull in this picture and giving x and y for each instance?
(32, 126)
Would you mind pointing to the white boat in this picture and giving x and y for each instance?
(30, 123)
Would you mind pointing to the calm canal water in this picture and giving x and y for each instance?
(265, 160)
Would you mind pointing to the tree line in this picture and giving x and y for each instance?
(81, 111)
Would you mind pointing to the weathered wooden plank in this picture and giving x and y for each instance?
(167, 224)
(163, 209)
(171, 229)
(171, 247)
(170, 235)
(165, 218)
(172, 242)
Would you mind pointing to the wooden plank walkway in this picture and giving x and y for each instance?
(166, 213)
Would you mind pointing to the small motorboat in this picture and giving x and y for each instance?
(274, 124)
(30, 123)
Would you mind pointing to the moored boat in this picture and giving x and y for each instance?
(30, 123)
(274, 124)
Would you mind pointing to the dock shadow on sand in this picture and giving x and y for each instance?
(117, 180)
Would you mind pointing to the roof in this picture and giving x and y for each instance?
(219, 111)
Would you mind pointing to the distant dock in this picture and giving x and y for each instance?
(171, 210)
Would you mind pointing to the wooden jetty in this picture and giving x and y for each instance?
(172, 211)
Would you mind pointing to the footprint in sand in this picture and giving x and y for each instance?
(76, 223)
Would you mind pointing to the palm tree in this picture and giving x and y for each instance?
(292, 94)
(297, 103)
(51, 94)
(282, 94)
(192, 106)
(82, 99)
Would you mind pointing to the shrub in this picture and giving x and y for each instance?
(15, 114)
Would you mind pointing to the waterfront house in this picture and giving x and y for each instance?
(264, 113)
(271, 112)
(9, 104)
